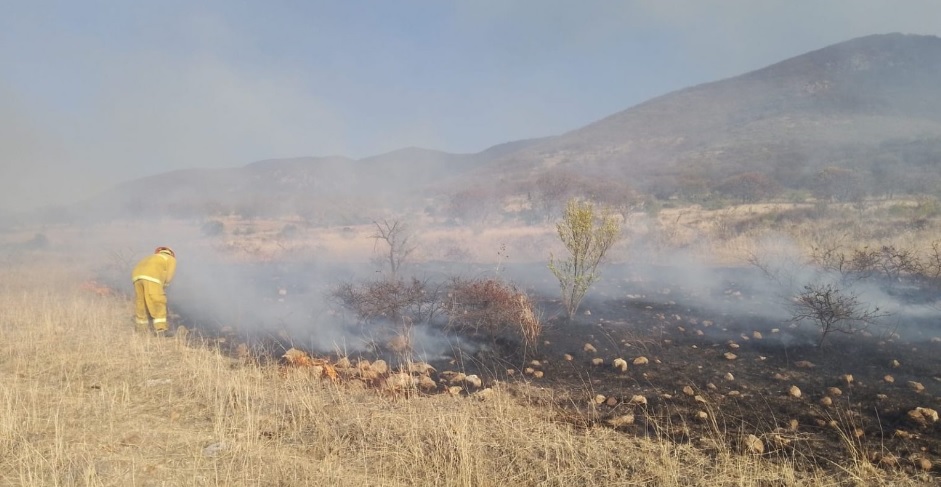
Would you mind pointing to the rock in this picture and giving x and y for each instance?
(529, 370)
(834, 391)
(483, 394)
(597, 361)
(426, 383)
(688, 391)
(600, 399)
(756, 335)
(510, 372)
(888, 378)
(455, 390)
(733, 345)
(825, 401)
(711, 386)
(895, 364)
(379, 367)
(753, 445)
(847, 378)
(730, 356)
(702, 416)
(538, 374)
(620, 364)
(535, 363)
(804, 364)
(794, 391)
(793, 424)
(889, 460)
(621, 421)
(923, 464)
(399, 381)
(778, 376)
(916, 386)
(638, 400)
(734, 394)
(589, 348)
(923, 416)
(568, 357)
(729, 376)
(698, 398)
(612, 401)
(422, 368)
(473, 381)
(641, 361)
(587, 312)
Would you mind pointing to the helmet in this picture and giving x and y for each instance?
(165, 250)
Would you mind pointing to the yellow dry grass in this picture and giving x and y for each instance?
(86, 401)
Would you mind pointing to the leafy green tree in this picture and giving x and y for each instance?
(587, 235)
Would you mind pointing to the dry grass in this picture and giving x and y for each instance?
(85, 401)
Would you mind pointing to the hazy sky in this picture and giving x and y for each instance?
(97, 92)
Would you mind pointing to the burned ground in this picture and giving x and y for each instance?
(712, 364)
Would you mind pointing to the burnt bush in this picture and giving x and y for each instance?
(395, 300)
(833, 309)
(492, 307)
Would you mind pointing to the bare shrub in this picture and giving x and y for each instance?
(399, 240)
(492, 306)
(395, 300)
(833, 310)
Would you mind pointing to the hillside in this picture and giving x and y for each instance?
(867, 111)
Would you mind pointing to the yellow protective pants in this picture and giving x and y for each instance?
(150, 301)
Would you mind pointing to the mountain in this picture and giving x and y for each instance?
(870, 107)
(852, 104)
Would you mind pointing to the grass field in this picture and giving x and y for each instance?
(86, 401)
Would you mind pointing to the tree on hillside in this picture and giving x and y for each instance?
(837, 184)
(587, 235)
(749, 187)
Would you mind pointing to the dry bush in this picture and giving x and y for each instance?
(394, 300)
(492, 306)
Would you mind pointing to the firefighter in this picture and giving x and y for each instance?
(151, 276)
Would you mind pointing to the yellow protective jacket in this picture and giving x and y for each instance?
(158, 268)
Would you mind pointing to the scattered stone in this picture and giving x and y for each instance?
(597, 361)
(834, 391)
(483, 394)
(793, 424)
(529, 370)
(426, 383)
(638, 400)
(923, 464)
(699, 333)
(794, 391)
(474, 381)
(847, 378)
(895, 364)
(779, 376)
(380, 367)
(620, 363)
(688, 391)
(775, 330)
(612, 401)
(734, 394)
(702, 416)
(699, 398)
(730, 356)
(621, 421)
(600, 399)
(905, 435)
(754, 445)
(538, 374)
(923, 416)
(568, 357)
(804, 364)
(589, 348)
(916, 386)
(711, 386)
(888, 378)
(733, 345)
(881, 397)
(825, 401)
(422, 368)
(455, 390)
(510, 372)
(641, 361)
(935, 339)
(729, 376)
(587, 312)
(757, 335)
(889, 460)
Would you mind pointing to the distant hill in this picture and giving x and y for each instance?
(866, 110)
